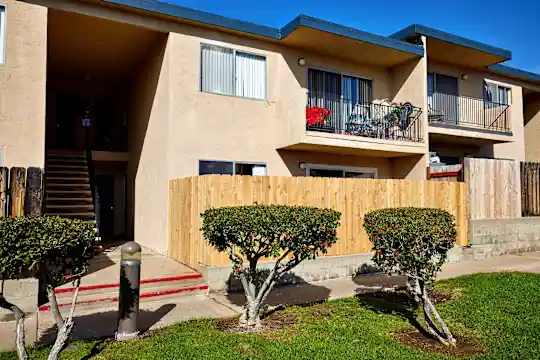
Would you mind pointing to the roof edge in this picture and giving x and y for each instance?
(162, 8)
(341, 30)
(455, 39)
(512, 71)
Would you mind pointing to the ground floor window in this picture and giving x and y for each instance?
(207, 167)
(318, 170)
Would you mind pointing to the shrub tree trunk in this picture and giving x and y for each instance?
(19, 323)
(434, 323)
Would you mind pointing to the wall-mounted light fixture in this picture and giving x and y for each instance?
(301, 61)
(302, 165)
(464, 76)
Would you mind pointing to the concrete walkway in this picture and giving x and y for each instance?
(153, 315)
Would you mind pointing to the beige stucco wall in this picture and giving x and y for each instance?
(22, 81)
(532, 127)
(148, 118)
(513, 147)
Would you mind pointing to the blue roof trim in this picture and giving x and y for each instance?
(333, 28)
(511, 71)
(199, 16)
(266, 31)
(455, 39)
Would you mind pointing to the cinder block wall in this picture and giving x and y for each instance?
(503, 236)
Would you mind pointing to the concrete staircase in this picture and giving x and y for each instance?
(162, 280)
(67, 186)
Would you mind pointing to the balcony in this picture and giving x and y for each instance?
(377, 120)
(468, 113)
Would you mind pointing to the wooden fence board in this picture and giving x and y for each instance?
(189, 197)
(493, 188)
(17, 181)
(4, 186)
(34, 191)
(530, 189)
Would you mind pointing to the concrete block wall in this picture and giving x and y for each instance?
(24, 294)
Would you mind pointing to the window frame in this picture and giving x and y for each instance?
(233, 162)
(498, 86)
(373, 171)
(3, 32)
(341, 75)
(235, 51)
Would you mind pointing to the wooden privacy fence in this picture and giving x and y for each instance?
(493, 188)
(21, 191)
(530, 189)
(189, 197)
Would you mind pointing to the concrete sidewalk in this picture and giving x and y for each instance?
(153, 315)
(348, 287)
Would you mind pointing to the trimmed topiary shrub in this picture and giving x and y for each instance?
(414, 242)
(289, 234)
(50, 249)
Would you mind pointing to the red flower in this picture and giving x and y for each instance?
(317, 115)
(324, 244)
(238, 270)
(380, 251)
(427, 267)
(314, 252)
(397, 255)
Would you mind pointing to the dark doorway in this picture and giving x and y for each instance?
(68, 128)
(105, 205)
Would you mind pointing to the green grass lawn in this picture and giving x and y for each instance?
(501, 309)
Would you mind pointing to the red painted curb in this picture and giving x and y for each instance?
(142, 296)
(146, 281)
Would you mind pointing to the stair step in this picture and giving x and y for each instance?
(79, 185)
(66, 167)
(61, 161)
(71, 206)
(61, 178)
(147, 285)
(67, 172)
(67, 192)
(72, 215)
(66, 154)
(69, 198)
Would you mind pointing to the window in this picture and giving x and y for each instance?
(338, 93)
(497, 93)
(340, 172)
(231, 168)
(230, 72)
(2, 34)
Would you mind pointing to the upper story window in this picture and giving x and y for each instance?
(2, 34)
(326, 89)
(230, 72)
(497, 93)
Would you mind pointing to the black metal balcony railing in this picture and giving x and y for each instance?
(464, 111)
(374, 120)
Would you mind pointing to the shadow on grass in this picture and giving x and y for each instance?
(398, 303)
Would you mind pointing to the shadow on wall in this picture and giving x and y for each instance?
(141, 106)
(292, 290)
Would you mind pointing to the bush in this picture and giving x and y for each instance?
(247, 234)
(50, 249)
(414, 242)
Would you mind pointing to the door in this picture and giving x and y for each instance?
(68, 130)
(105, 205)
(445, 96)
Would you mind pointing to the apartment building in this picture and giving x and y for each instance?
(156, 91)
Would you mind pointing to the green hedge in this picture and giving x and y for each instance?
(45, 246)
(411, 241)
(267, 230)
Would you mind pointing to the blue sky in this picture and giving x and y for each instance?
(512, 24)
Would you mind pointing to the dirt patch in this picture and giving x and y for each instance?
(276, 321)
(441, 296)
(466, 346)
